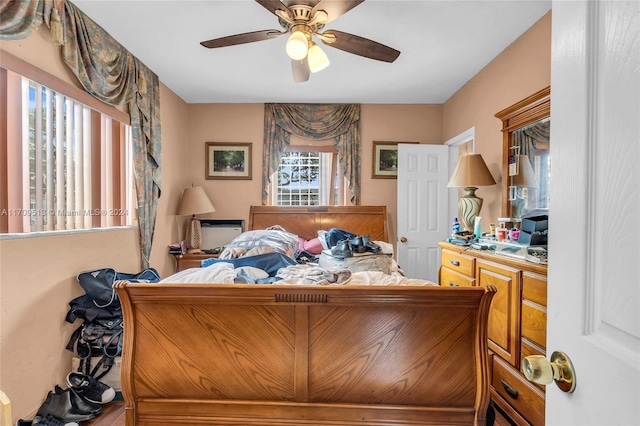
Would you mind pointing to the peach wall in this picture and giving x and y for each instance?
(39, 51)
(245, 123)
(400, 123)
(38, 274)
(37, 281)
(520, 70)
(226, 123)
(175, 130)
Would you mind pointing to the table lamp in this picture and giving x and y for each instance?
(194, 201)
(470, 172)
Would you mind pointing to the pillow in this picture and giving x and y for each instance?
(261, 241)
(313, 246)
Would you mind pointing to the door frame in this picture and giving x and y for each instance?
(454, 143)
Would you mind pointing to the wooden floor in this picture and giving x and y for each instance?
(113, 415)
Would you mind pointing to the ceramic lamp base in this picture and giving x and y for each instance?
(469, 206)
(194, 235)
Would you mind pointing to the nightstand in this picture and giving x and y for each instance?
(191, 260)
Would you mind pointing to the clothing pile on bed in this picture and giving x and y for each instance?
(274, 255)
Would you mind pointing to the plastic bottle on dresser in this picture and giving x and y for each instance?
(455, 227)
(477, 227)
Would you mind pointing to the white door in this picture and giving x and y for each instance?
(594, 259)
(423, 173)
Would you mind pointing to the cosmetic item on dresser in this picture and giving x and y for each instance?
(477, 227)
(455, 227)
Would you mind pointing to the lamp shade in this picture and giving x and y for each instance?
(318, 60)
(525, 177)
(297, 45)
(471, 171)
(195, 201)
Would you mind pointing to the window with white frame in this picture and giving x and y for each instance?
(68, 164)
(308, 176)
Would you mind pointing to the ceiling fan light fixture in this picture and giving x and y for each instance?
(297, 45)
(317, 59)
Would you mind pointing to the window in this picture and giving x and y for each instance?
(538, 198)
(308, 176)
(67, 164)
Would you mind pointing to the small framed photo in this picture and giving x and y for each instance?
(227, 160)
(385, 160)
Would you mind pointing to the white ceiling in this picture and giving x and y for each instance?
(443, 44)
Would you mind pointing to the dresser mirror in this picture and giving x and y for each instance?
(526, 156)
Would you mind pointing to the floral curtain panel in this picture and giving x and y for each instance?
(110, 73)
(315, 122)
(18, 19)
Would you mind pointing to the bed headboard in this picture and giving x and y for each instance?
(307, 221)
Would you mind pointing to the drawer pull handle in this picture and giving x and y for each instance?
(452, 284)
(454, 262)
(511, 391)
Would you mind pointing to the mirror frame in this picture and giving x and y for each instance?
(521, 114)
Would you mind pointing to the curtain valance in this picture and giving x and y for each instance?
(110, 73)
(528, 137)
(316, 122)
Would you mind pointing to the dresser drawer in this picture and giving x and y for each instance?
(450, 278)
(460, 263)
(534, 288)
(524, 397)
(534, 323)
(529, 348)
(534, 309)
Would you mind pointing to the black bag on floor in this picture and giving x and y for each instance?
(100, 334)
(98, 338)
(98, 284)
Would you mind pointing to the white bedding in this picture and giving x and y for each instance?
(225, 273)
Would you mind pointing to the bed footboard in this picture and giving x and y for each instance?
(301, 355)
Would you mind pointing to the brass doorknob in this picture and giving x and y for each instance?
(403, 239)
(537, 369)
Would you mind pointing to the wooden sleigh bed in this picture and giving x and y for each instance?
(242, 354)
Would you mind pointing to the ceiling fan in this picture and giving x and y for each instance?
(303, 20)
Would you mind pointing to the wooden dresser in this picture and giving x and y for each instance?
(517, 323)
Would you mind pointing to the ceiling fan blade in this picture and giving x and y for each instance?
(335, 8)
(232, 40)
(272, 5)
(300, 70)
(361, 46)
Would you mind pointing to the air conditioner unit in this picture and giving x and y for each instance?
(217, 233)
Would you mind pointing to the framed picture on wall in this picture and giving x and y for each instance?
(385, 160)
(227, 160)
